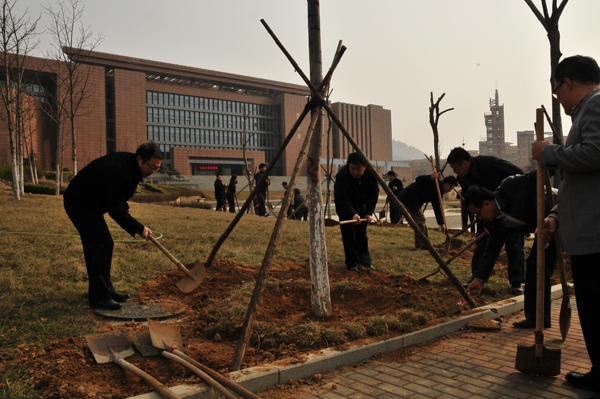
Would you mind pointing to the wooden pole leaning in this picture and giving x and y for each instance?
(270, 167)
(317, 96)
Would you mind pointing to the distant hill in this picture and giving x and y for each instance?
(405, 152)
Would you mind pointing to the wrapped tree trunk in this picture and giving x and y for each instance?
(320, 296)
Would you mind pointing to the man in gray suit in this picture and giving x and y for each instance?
(576, 83)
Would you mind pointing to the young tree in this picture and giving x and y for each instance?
(72, 43)
(16, 42)
(550, 24)
(434, 117)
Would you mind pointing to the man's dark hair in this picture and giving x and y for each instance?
(392, 173)
(284, 183)
(451, 180)
(356, 159)
(475, 196)
(296, 191)
(233, 177)
(581, 69)
(148, 151)
(261, 165)
(457, 155)
(218, 174)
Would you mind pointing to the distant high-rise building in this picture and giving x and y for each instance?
(494, 126)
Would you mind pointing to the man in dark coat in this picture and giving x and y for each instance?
(421, 191)
(262, 192)
(300, 206)
(220, 193)
(104, 186)
(512, 208)
(356, 194)
(396, 186)
(489, 171)
(231, 193)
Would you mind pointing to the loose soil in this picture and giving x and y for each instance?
(366, 307)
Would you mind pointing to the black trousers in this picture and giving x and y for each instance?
(586, 278)
(530, 291)
(221, 204)
(515, 252)
(356, 244)
(262, 209)
(231, 201)
(97, 249)
(395, 214)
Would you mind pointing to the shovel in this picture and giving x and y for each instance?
(333, 222)
(193, 278)
(165, 340)
(538, 359)
(114, 348)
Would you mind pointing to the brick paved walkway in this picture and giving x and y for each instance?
(466, 365)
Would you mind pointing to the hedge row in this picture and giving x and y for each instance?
(40, 189)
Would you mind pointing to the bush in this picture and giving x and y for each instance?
(6, 172)
(40, 189)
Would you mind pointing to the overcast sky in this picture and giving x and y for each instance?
(398, 51)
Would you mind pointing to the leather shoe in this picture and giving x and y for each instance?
(584, 381)
(527, 323)
(371, 267)
(119, 297)
(353, 269)
(108, 305)
(516, 289)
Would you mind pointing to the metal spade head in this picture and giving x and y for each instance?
(547, 364)
(165, 336)
(187, 284)
(107, 347)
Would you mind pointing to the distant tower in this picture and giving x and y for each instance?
(494, 126)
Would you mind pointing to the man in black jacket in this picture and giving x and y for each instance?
(262, 191)
(489, 171)
(356, 194)
(105, 185)
(421, 191)
(231, 193)
(512, 208)
(220, 193)
(300, 205)
(396, 186)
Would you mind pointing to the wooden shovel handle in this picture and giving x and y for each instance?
(539, 319)
(177, 263)
(352, 221)
(201, 374)
(163, 390)
(240, 390)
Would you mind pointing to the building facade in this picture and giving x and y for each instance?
(203, 121)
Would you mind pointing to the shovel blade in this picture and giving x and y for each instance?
(331, 222)
(165, 336)
(143, 343)
(101, 346)
(564, 319)
(547, 364)
(187, 284)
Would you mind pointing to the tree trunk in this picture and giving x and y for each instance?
(320, 295)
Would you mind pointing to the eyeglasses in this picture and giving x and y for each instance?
(153, 167)
(557, 87)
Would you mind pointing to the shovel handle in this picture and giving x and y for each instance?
(352, 221)
(240, 390)
(177, 263)
(227, 393)
(163, 390)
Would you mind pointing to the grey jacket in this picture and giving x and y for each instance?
(579, 159)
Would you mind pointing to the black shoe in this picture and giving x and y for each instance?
(108, 305)
(117, 296)
(516, 289)
(584, 381)
(353, 269)
(527, 323)
(371, 267)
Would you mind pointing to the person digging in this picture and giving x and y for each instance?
(511, 208)
(104, 186)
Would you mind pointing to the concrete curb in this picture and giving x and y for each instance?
(261, 378)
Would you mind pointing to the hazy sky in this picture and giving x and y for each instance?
(399, 51)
